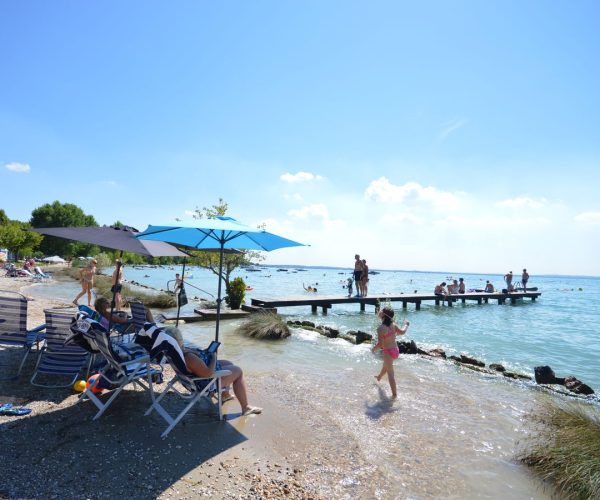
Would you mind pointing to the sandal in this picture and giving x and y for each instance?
(11, 410)
(252, 410)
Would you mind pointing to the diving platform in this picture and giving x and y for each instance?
(326, 302)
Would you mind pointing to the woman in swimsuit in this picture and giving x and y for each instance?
(386, 341)
(87, 282)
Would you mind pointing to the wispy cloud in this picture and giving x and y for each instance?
(300, 177)
(21, 168)
(522, 202)
(293, 197)
(590, 218)
(315, 214)
(452, 126)
(411, 194)
(189, 213)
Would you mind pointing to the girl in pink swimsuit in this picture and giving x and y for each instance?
(386, 341)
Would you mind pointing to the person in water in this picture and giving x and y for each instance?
(86, 276)
(310, 288)
(386, 341)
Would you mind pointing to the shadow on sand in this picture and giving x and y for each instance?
(64, 453)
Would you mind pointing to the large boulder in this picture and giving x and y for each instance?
(497, 367)
(437, 353)
(467, 360)
(546, 375)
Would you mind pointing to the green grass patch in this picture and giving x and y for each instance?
(265, 325)
(564, 447)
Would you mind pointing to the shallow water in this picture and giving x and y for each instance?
(452, 432)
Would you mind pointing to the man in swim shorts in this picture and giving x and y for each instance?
(358, 270)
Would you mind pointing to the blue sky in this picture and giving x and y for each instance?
(461, 136)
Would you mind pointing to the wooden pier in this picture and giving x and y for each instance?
(327, 301)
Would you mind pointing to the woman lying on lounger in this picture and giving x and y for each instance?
(204, 364)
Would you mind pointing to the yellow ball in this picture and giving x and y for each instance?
(79, 386)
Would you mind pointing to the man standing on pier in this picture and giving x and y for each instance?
(524, 279)
(508, 278)
(358, 268)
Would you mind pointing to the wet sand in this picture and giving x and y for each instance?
(302, 446)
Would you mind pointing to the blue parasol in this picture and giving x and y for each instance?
(222, 232)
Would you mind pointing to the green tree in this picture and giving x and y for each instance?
(3, 218)
(62, 215)
(231, 261)
(15, 236)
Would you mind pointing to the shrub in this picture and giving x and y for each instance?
(564, 448)
(265, 325)
(236, 293)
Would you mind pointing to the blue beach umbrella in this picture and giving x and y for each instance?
(220, 232)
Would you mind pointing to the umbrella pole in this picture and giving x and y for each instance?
(219, 292)
(112, 302)
(179, 293)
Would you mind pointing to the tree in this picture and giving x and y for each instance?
(3, 218)
(62, 215)
(231, 261)
(15, 236)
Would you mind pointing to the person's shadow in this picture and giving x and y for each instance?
(376, 410)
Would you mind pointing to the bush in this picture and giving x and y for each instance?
(265, 325)
(237, 291)
(564, 448)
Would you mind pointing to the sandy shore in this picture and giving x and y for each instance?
(57, 451)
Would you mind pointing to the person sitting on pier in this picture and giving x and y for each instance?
(440, 289)
(489, 288)
(453, 287)
(461, 285)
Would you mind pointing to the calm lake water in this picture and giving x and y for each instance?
(448, 422)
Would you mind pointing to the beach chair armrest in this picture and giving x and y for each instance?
(37, 329)
(217, 374)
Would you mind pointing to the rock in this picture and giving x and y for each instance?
(497, 367)
(454, 358)
(363, 337)
(510, 375)
(577, 386)
(332, 333)
(438, 353)
(308, 323)
(467, 360)
(545, 375)
(407, 347)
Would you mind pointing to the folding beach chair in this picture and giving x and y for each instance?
(161, 345)
(123, 367)
(57, 358)
(138, 314)
(13, 326)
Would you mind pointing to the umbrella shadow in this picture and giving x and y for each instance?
(120, 454)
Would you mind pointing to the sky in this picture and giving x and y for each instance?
(459, 136)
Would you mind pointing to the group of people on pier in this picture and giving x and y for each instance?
(459, 286)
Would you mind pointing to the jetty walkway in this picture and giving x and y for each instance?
(325, 302)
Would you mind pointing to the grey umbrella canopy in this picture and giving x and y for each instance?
(113, 237)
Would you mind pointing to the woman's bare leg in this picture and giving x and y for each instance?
(382, 372)
(81, 294)
(239, 385)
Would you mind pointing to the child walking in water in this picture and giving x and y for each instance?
(386, 341)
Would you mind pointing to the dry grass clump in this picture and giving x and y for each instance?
(564, 448)
(265, 325)
(102, 286)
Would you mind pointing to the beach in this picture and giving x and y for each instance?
(327, 431)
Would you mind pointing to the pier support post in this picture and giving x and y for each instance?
(513, 301)
(486, 300)
(532, 299)
(313, 308)
(479, 301)
(449, 301)
(437, 302)
(418, 305)
(404, 304)
(362, 306)
(463, 300)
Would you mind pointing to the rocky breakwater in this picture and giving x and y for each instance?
(545, 375)
(353, 336)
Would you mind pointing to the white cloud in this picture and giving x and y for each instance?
(315, 214)
(522, 202)
(591, 218)
(189, 213)
(452, 126)
(400, 218)
(300, 177)
(410, 194)
(492, 222)
(22, 168)
(293, 197)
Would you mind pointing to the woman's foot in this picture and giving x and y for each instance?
(251, 410)
(378, 378)
(75, 303)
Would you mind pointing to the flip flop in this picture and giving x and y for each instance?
(227, 398)
(253, 410)
(5, 406)
(15, 411)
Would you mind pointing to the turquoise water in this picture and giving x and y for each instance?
(448, 422)
(559, 329)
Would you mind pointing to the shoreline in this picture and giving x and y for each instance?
(300, 447)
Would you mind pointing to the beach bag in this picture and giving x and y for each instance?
(81, 324)
(182, 297)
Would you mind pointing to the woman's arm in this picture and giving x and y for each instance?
(198, 367)
(402, 330)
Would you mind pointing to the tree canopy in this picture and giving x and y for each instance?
(58, 214)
